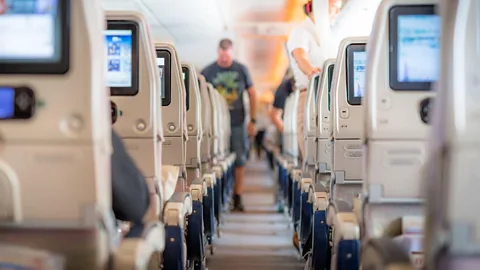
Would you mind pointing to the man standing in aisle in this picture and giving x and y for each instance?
(231, 78)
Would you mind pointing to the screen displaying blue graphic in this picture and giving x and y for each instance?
(161, 68)
(118, 46)
(418, 48)
(25, 21)
(359, 61)
(7, 102)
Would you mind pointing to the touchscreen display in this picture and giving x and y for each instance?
(25, 21)
(187, 87)
(418, 48)
(161, 70)
(330, 77)
(7, 101)
(119, 57)
(359, 60)
(315, 86)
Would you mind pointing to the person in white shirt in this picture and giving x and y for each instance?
(307, 56)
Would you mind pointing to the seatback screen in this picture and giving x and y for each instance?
(356, 61)
(164, 69)
(7, 101)
(415, 47)
(122, 58)
(315, 86)
(330, 77)
(186, 81)
(34, 36)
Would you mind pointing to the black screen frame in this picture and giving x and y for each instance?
(167, 75)
(18, 112)
(60, 67)
(134, 27)
(393, 15)
(330, 69)
(186, 71)
(351, 49)
(316, 85)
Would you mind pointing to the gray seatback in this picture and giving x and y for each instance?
(348, 119)
(395, 133)
(55, 179)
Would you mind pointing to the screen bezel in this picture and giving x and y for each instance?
(351, 49)
(186, 70)
(60, 67)
(316, 82)
(329, 82)
(167, 72)
(18, 113)
(132, 26)
(394, 13)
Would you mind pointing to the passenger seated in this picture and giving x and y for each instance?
(130, 195)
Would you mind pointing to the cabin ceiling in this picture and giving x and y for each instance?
(196, 26)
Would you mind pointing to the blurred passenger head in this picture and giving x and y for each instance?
(308, 9)
(225, 52)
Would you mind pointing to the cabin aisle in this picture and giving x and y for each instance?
(260, 238)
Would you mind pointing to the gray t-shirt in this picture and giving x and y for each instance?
(230, 83)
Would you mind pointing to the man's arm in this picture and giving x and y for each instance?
(251, 93)
(276, 117)
(298, 47)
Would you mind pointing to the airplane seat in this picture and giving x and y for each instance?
(178, 208)
(319, 258)
(173, 97)
(295, 172)
(136, 117)
(224, 147)
(206, 159)
(324, 124)
(289, 163)
(452, 164)
(346, 175)
(58, 126)
(397, 107)
(347, 91)
(217, 166)
(196, 182)
(318, 85)
(309, 132)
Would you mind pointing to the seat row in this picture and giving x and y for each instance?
(56, 147)
(376, 187)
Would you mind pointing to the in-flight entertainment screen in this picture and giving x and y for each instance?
(359, 60)
(41, 22)
(315, 86)
(356, 61)
(186, 79)
(119, 58)
(330, 77)
(7, 102)
(164, 66)
(122, 58)
(415, 43)
(161, 68)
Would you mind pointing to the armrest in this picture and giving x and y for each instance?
(210, 178)
(218, 170)
(27, 257)
(306, 182)
(296, 174)
(177, 208)
(170, 176)
(138, 253)
(319, 195)
(198, 189)
(155, 189)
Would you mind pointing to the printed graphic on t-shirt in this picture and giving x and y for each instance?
(227, 85)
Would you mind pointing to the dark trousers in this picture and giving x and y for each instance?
(259, 141)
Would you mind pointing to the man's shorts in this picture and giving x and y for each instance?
(240, 144)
